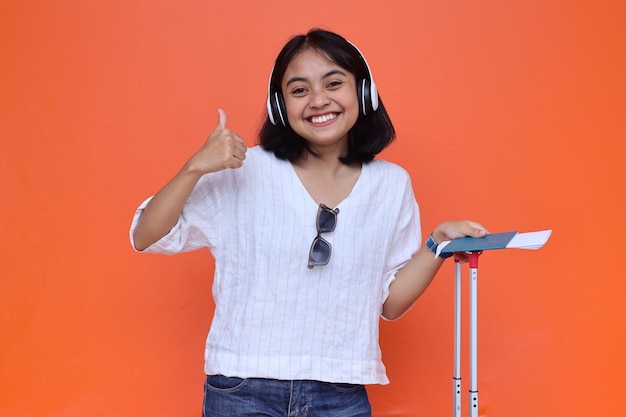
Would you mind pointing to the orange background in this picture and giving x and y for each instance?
(507, 112)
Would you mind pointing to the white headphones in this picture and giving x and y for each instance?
(366, 92)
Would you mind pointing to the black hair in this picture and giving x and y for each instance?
(370, 134)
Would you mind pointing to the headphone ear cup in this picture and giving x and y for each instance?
(276, 109)
(282, 109)
(373, 95)
(368, 96)
(270, 110)
(364, 95)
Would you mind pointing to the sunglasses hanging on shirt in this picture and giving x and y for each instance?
(320, 248)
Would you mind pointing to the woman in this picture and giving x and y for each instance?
(313, 238)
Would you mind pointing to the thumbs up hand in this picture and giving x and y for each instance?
(223, 149)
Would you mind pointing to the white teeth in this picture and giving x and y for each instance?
(324, 118)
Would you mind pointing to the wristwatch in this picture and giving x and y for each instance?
(432, 245)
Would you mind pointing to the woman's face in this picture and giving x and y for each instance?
(321, 100)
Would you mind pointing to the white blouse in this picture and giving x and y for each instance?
(274, 317)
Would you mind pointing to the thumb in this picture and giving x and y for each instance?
(221, 123)
(477, 230)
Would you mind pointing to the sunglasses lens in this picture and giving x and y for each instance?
(320, 252)
(327, 220)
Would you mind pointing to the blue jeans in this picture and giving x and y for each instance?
(230, 397)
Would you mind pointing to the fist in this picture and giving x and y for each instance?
(223, 149)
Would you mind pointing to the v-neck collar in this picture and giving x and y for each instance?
(343, 202)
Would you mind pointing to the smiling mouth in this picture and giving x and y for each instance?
(323, 118)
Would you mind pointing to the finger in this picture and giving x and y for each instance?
(477, 229)
(241, 147)
(238, 139)
(221, 123)
(239, 151)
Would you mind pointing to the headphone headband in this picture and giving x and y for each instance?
(373, 91)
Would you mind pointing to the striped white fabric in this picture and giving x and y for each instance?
(274, 317)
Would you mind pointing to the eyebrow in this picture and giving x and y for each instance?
(328, 74)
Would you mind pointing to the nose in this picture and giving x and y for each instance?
(319, 98)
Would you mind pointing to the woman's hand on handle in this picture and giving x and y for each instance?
(456, 229)
(413, 279)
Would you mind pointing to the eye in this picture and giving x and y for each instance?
(298, 91)
(333, 85)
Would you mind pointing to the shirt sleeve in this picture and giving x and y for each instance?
(198, 225)
(406, 239)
